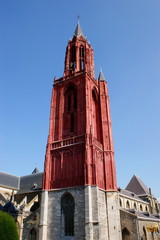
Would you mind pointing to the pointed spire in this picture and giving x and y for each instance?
(78, 31)
(101, 76)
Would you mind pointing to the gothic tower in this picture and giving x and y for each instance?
(79, 198)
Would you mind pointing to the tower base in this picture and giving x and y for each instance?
(96, 215)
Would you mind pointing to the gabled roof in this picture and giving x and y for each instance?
(30, 183)
(24, 184)
(137, 186)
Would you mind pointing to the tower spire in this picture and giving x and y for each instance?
(78, 31)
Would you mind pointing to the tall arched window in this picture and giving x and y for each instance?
(33, 234)
(96, 115)
(70, 110)
(67, 210)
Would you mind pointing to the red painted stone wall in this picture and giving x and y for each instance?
(80, 147)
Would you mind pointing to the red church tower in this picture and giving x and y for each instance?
(80, 146)
(80, 151)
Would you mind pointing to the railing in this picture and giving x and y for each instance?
(68, 141)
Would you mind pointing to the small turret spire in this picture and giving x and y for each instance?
(78, 31)
(101, 76)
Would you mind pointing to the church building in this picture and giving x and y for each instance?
(76, 196)
(79, 197)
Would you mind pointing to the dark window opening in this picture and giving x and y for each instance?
(67, 208)
(73, 57)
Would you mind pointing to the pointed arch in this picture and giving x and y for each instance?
(125, 234)
(127, 204)
(67, 211)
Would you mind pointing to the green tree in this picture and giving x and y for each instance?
(8, 228)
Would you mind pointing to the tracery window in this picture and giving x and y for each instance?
(67, 210)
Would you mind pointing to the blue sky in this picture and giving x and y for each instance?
(125, 37)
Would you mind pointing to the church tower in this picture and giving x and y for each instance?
(79, 198)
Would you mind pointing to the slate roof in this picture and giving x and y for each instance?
(24, 184)
(130, 194)
(137, 186)
(147, 215)
(143, 215)
(9, 180)
(30, 183)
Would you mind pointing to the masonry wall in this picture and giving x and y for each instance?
(54, 224)
(29, 223)
(129, 222)
(90, 215)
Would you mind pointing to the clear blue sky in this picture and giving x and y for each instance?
(125, 36)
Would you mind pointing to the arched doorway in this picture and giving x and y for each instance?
(125, 234)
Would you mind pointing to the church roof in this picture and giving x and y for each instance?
(130, 194)
(137, 186)
(78, 31)
(30, 183)
(9, 180)
(23, 184)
